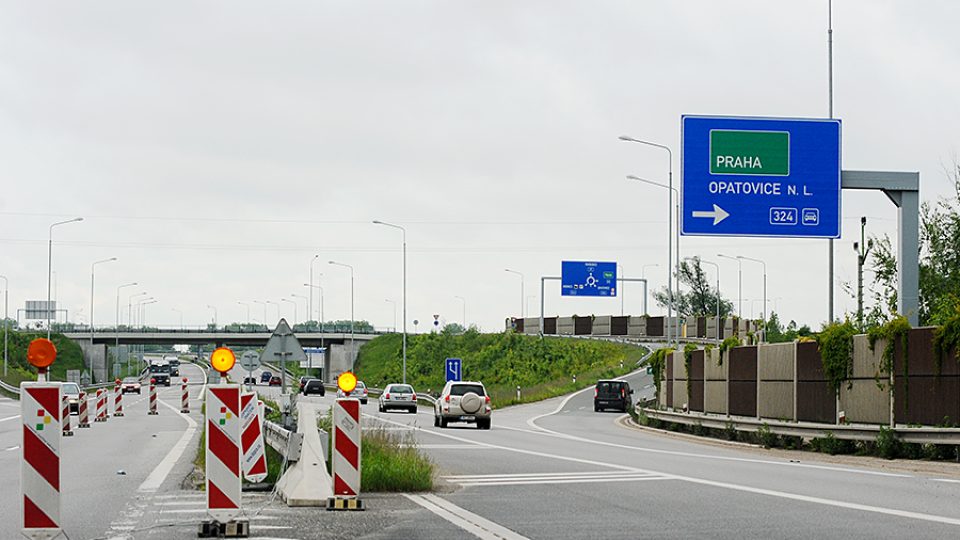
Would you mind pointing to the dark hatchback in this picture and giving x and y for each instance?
(612, 395)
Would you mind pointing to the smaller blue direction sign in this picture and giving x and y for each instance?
(582, 278)
(454, 369)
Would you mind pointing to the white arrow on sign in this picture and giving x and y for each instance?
(718, 214)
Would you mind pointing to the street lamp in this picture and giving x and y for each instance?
(214, 316)
(50, 265)
(143, 311)
(92, 268)
(179, 312)
(247, 305)
(264, 304)
(294, 309)
(464, 300)
(394, 303)
(6, 322)
(130, 317)
(522, 313)
(763, 313)
(277, 306)
(310, 302)
(321, 308)
(404, 298)
(116, 332)
(674, 292)
(739, 281)
(139, 305)
(717, 266)
(352, 349)
(295, 295)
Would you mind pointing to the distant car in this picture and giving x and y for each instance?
(161, 378)
(249, 380)
(275, 381)
(398, 396)
(130, 384)
(610, 394)
(265, 377)
(303, 382)
(72, 391)
(360, 392)
(314, 386)
(463, 401)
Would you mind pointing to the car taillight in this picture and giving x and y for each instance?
(447, 399)
(623, 393)
(487, 399)
(386, 396)
(595, 392)
(414, 397)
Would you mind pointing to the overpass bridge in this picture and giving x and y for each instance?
(181, 336)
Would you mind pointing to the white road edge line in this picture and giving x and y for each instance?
(9, 418)
(727, 485)
(480, 527)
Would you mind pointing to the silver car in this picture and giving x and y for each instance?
(72, 392)
(463, 401)
(398, 396)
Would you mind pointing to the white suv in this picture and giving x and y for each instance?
(462, 401)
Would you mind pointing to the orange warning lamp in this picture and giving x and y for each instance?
(347, 381)
(222, 359)
(41, 353)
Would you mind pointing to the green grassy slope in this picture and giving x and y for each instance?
(542, 368)
(69, 356)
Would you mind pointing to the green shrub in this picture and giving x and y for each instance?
(765, 437)
(830, 444)
(887, 445)
(836, 352)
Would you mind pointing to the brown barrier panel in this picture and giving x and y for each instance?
(809, 364)
(518, 325)
(743, 398)
(696, 365)
(816, 402)
(701, 327)
(669, 381)
(618, 326)
(654, 326)
(696, 395)
(920, 357)
(583, 326)
(743, 363)
(549, 326)
(929, 401)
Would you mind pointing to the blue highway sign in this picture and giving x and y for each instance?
(454, 369)
(579, 278)
(760, 177)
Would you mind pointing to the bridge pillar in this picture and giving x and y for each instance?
(95, 359)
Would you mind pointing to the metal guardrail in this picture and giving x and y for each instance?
(288, 443)
(9, 388)
(806, 430)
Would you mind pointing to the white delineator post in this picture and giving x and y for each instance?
(254, 459)
(223, 451)
(346, 448)
(65, 416)
(83, 415)
(184, 397)
(117, 399)
(152, 409)
(40, 464)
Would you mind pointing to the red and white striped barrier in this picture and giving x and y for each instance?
(153, 397)
(223, 451)
(254, 460)
(65, 415)
(117, 399)
(40, 465)
(346, 448)
(101, 415)
(184, 397)
(83, 416)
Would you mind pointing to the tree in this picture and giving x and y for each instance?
(939, 262)
(700, 299)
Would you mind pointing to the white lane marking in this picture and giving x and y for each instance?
(9, 418)
(736, 487)
(12, 448)
(545, 431)
(468, 521)
(445, 446)
(948, 480)
(564, 481)
(162, 470)
(529, 475)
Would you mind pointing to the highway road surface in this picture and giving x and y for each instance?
(554, 469)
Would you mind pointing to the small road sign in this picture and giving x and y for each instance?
(250, 360)
(760, 177)
(582, 278)
(454, 369)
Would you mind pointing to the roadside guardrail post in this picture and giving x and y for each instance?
(184, 397)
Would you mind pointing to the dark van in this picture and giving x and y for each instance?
(612, 395)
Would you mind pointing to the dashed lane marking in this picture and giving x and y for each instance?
(478, 526)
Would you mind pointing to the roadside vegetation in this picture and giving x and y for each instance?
(542, 368)
(69, 356)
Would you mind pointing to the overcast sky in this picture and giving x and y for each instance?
(216, 147)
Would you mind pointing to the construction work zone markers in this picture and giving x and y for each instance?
(346, 451)
(83, 416)
(65, 415)
(251, 425)
(153, 397)
(223, 451)
(185, 397)
(40, 410)
(117, 399)
(101, 414)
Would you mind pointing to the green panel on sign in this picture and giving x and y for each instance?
(752, 153)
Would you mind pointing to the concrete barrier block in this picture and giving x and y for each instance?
(307, 482)
(712, 371)
(866, 363)
(565, 326)
(776, 361)
(715, 397)
(776, 400)
(864, 402)
(680, 394)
